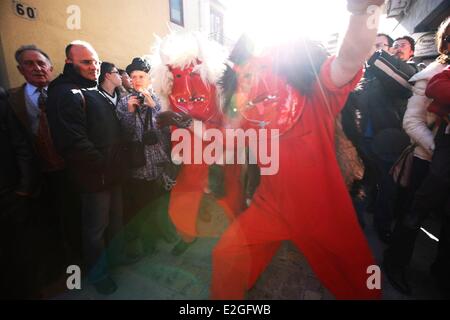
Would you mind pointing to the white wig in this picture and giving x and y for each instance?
(180, 50)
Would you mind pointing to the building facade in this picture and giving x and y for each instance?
(417, 18)
(119, 30)
(420, 19)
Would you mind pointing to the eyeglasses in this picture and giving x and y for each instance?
(89, 62)
(114, 72)
(380, 46)
(400, 45)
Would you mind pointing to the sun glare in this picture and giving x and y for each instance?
(273, 21)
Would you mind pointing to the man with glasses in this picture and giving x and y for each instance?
(109, 82)
(87, 134)
(403, 48)
(383, 42)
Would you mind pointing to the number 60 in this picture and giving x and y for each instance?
(25, 11)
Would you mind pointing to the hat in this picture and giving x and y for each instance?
(138, 64)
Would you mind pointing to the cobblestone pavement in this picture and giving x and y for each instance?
(288, 276)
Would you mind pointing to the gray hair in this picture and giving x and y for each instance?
(29, 47)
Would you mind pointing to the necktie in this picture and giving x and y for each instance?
(51, 160)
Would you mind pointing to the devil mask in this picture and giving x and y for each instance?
(191, 95)
(264, 98)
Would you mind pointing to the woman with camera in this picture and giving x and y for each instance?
(146, 191)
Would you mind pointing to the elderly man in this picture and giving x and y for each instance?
(18, 173)
(28, 102)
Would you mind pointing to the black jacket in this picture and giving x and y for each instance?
(18, 170)
(382, 101)
(86, 130)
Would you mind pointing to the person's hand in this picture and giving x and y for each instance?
(360, 6)
(133, 103)
(148, 101)
(165, 119)
(170, 118)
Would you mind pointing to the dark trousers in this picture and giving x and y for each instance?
(146, 212)
(101, 224)
(387, 193)
(371, 174)
(401, 248)
(419, 172)
(59, 217)
(379, 183)
(433, 195)
(18, 249)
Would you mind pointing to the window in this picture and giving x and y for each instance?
(176, 12)
(216, 23)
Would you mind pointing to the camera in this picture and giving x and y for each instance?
(150, 137)
(139, 96)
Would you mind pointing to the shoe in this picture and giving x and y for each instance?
(181, 247)
(396, 277)
(106, 286)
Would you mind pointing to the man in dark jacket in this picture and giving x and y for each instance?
(381, 103)
(53, 198)
(87, 134)
(18, 180)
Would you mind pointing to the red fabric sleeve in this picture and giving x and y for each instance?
(439, 87)
(334, 97)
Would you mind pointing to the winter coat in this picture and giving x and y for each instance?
(417, 121)
(86, 131)
(18, 169)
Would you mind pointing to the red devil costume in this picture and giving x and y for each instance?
(290, 89)
(439, 89)
(185, 81)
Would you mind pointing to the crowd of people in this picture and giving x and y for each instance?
(87, 176)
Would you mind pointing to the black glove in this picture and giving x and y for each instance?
(170, 118)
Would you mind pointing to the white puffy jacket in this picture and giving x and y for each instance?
(417, 120)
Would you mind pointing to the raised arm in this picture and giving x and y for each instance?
(358, 40)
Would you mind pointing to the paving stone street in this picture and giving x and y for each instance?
(162, 276)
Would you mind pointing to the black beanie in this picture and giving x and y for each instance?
(138, 64)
